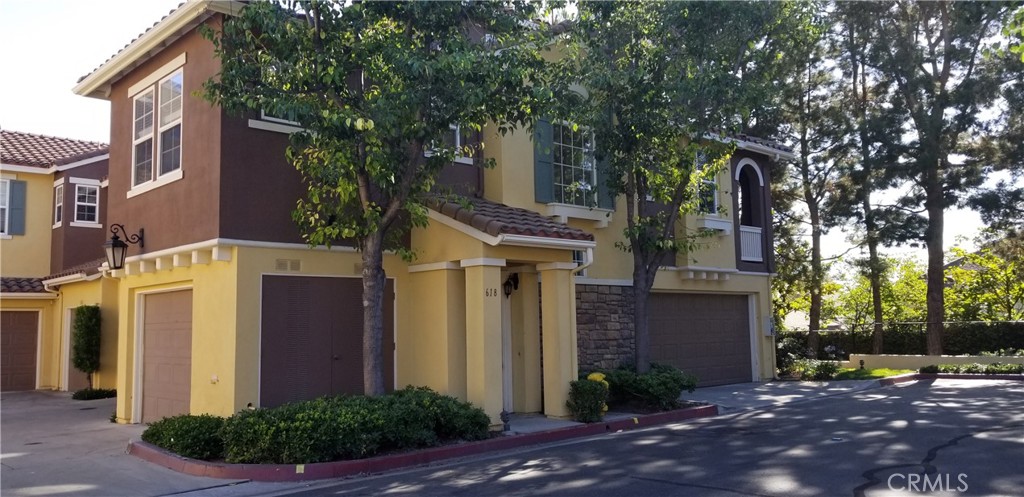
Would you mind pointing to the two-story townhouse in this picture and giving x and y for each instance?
(225, 307)
(52, 206)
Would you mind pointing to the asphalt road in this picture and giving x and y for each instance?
(946, 437)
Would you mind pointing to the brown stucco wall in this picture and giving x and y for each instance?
(185, 211)
(71, 245)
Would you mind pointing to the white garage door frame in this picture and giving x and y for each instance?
(140, 322)
(755, 363)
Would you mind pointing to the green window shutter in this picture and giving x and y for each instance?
(543, 152)
(605, 198)
(16, 208)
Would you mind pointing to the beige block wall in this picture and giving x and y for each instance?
(28, 255)
(917, 361)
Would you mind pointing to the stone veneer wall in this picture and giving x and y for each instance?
(604, 326)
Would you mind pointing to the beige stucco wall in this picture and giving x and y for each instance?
(28, 255)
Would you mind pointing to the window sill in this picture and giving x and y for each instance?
(4, 236)
(80, 224)
(170, 177)
(273, 126)
(562, 212)
(724, 226)
(57, 225)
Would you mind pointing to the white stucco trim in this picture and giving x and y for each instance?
(26, 296)
(747, 161)
(555, 266)
(434, 266)
(271, 126)
(583, 280)
(482, 261)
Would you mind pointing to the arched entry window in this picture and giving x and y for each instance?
(752, 205)
(750, 184)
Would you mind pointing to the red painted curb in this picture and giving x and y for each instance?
(336, 469)
(903, 378)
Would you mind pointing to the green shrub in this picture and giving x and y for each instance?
(998, 368)
(931, 369)
(660, 388)
(587, 400)
(788, 350)
(188, 435)
(85, 340)
(332, 428)
(94, 393)
(972, 368)
(949, 368)
(815, 370)
(1010, 352)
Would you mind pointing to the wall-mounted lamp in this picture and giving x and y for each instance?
(511, 283)
(117, 249)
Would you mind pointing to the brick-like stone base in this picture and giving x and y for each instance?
(604, 326)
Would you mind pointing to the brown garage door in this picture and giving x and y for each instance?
(167, 355)
(706, 335)
(311, 341)
(19, 335)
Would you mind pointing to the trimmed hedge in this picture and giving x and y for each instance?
(659, 388)
(587, 400)
(976, 368)
(333, 428)
(909, 339)
(94, 393)
(189, 435)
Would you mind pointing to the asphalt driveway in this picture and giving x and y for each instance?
(966, 436)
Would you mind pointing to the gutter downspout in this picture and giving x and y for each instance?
(588, 260)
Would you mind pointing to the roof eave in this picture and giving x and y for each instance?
(27, 296)
(98, 83)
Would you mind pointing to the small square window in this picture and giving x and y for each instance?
(87, 203)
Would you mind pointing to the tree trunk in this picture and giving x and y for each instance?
(875, 277)
(933, 238)
(373, 314)
(641, 323)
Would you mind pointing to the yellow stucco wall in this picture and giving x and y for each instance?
(28, 255)
(102, 292)
(48, 351)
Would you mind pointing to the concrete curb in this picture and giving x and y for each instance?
(337, 469)
(903, 378)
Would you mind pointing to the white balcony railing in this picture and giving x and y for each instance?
(751, 246)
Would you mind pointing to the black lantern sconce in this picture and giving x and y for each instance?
(511, 283)
(117, 249)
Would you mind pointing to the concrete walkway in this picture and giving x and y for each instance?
(745, 396)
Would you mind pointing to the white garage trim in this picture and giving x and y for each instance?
(755, 369)
(140, 320)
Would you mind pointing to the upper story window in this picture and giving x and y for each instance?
(458, 139)
(87, 204)
(5, 206)
(58, 205)
(707, 188)
(157, 130)
(573, 165)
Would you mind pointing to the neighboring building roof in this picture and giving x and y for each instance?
(762, 141)
(85, 269)
(29, 149)
(21, 285)
(499, 219)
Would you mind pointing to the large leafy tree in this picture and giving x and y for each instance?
(659, 78)
(986, 285)
(374, 85)
(938, 57)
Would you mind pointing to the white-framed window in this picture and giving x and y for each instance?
(578, 256)
(707, 188)
(87, 204)
(5, 206)
(156, 126)
(58, 205)
(286, 118)
(573, 165)
(458, 139)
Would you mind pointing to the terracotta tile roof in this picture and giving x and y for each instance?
(91, 267)
(499, 219)
(762, 141)
(21, 285)
(30, 149)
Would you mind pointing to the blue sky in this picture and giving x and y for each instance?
(48, 45)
